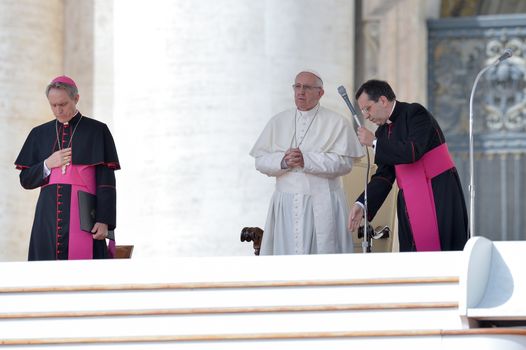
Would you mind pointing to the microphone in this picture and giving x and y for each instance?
(507, 54)
(366, 242)
(343, 93)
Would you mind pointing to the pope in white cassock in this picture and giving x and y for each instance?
(307, 149)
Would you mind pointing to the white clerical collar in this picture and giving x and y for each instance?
(310, 113)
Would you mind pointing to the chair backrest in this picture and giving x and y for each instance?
(123, 251)
(252, 234)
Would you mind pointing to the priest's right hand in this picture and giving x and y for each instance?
(59, 158)
(365, 136)
(355, 217)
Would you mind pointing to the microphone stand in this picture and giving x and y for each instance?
(366, 241)
(506, 55)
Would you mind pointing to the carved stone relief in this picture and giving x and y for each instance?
(458, 50)
(505, 103)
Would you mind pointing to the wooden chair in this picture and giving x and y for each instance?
(252, 234)
(123, 251)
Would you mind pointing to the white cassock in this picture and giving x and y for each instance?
(308, 210)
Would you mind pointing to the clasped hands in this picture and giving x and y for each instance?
(59, 158)
(294, 158)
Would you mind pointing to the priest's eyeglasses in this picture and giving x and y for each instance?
(298, 87)
(365, 110)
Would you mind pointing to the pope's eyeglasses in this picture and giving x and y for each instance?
(298, 87)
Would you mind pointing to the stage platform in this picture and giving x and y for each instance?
(472, 299)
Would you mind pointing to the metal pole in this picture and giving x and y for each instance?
(471, 161)
(366, 245)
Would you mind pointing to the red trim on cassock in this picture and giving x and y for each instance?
(58, 219)
(114, 165)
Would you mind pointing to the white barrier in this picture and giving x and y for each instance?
(400, 301)
(494, 280)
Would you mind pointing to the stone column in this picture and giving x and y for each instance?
(79, 53)
(88, 55)
(394, 36)
(194, 87)
(31, 46)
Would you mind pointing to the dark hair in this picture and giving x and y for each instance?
(376, 88)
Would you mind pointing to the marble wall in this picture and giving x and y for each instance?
(185, 87)
(393, 44)
(31, 51)
(194, 86)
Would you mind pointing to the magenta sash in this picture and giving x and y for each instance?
(415, 180)
(80, 177)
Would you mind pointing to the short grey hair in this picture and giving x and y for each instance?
(71, 90)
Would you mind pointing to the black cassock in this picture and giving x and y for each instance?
(92, 145)
(411, 133)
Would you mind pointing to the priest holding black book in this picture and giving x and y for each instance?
(70, 158)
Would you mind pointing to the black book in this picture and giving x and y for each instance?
(87, 212)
